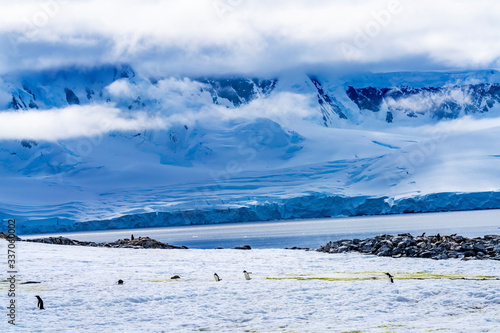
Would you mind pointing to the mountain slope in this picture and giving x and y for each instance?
(254, 143)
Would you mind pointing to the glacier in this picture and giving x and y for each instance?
(237, 149)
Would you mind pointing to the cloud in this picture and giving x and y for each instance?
(5, 97)
(426, 100)
(227, 36)
(70, 122)
(120, 88)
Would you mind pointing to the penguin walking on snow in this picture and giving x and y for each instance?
(389, 277)
(247, 275)
(40, 303)
(216, 277)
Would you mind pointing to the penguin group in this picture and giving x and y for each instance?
(245, 274)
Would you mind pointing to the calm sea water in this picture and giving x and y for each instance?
(306, 233)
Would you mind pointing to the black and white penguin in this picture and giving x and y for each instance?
(120, 281)
(40, 303)
(132, 237)
(247, 275)
(217, 278)
(175, 277)
(389, 277)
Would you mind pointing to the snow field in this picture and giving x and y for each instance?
(290, 291)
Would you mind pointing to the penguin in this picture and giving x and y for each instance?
(120, 281)
(132, 237)
(40, 303)
(217, 278)
(175, 277)
(390, 277)
(247, 275)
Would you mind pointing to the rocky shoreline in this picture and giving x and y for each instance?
(434, 247)
(403, 245)
(134, 243)
(137, 243)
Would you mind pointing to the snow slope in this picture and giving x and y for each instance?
(291, 291)
(242, 149)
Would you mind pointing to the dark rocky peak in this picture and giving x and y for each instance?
(445, 102)
(238, 90)
(329, 105)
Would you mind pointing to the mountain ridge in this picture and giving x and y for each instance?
(239, 141)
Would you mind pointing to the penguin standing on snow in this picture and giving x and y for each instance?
(216, 277)
(247, 275)
(389, 277)
(40, 303)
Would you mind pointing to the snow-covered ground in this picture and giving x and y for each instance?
(291, 291)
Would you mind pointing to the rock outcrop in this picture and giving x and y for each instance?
(137, 243)
(434, 247)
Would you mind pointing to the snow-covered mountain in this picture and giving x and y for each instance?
(244, 148)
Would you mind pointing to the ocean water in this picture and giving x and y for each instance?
(305, 233)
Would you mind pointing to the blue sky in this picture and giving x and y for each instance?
(241, 36)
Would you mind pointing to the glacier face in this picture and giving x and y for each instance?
(240, 149)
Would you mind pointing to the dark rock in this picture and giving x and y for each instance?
(6, 236)
(411, 251)
(244, 247)
(466, 247)
(437, 247)
(141, 242)
(427, 254)
(71, 98)
(469, 253)
(479, 247)
(396, 251)
(343, 249)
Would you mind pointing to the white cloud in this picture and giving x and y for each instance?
(222, 36)
(70, 122)
(120, 88)
(5, 97)
(429, 100)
